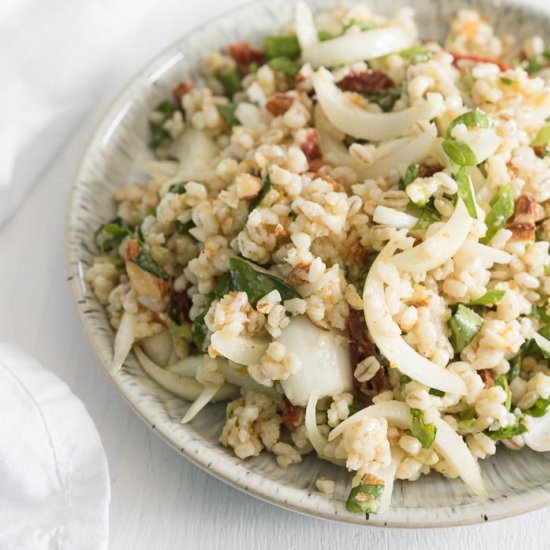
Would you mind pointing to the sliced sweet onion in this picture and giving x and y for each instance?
(241, 350)
(390, 216)
(158, 347)
(542, 342)
(453, 448)
(124, 340)
(403, 152)
(249, 115)
(305, 26)
(538, 435)
(493, 255)
(324, 361)
(447, 442)
(202, 400)
(196, 152)
(360, 123)
(181, 386)
(388, 476)
(362, 46)
(439, 247)
(312, 430)
(386, 334)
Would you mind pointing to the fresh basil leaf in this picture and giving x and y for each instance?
(471, 119)
(515, 366)
(539, 408)
(539, 314)
(146, 262)
(224, 286)
(507, 433)
(360, 283)
(256, 201)
(502, 208)
(199, 331)
(533, 65)
(467, 418)
(404, 380)
(466, 191)
(110, 234)
(459, 152)
(503, 383)
(177, 188)
(508, 81)
(159, 134)
(425, 433)
(490, 298)
(415, 54)
(282, 46)
(384, 99)
(285, 65)
(227, 112)
(437, 393)
(324, 35)
(464, 325)
(365, 497)
(410, 175)
(184, 227)
(256, 283)
(428, 215)
(231, 81)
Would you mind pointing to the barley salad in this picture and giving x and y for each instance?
(344, 234)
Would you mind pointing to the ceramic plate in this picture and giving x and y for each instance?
(517, 482)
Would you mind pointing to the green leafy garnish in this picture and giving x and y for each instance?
(464, 325)
(539, 408)
(223, 286)
(542, 137)
(503, 383)
(507, 81)
(507, 433)
(363, 25)
(502, 208)
(231, 81)
(253, 68)
(459, 152)
(466, 191)
(199, 331)
(385, 99)
(428, 215)
(177, 188)
(159, 134)
(515, 366)
(365, 497)
(415, 54)
(539, 314)
(369, 260)
(425, 433)
(184, 227)
(110, 234)
(471, 119)
(405, 379)
(184, 331)
(437, 393)
(490, 298)
(467, 418)
(146, 262)
(324, 35)
(410, 175)
(533, 65)
(266, 186)
(285, 65)
(246, 277)
(282, 46)
(228, 114)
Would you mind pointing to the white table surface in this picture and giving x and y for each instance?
(159, 500)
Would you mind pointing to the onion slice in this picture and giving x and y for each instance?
(388, 476)
(441, 246)
(158, 347)
(362, 46)
(124, 340)
(202, 400)
(196, 152)
(360, 123)
(305, 26)
(387, 336)
(447, 442)
(241, 350)
(538, 436)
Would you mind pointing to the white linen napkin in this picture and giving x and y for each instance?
(54, 479)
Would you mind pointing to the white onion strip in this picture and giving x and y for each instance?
(388, 476)
(124, 340)
(305, 26)
(386, 335)
(360, 123)
(202, 400)
(362, 46)
(244, 351)
(196, 152)
(441, 246)
(447, 442)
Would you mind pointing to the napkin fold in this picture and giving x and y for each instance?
(54, 479)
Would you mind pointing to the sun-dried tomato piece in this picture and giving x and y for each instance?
(310, 146)
(183, 303)
(245, 54)
(428, 170)
(457, 57)
(291, 413)
(359, 347)
(487, 378)
(279, 103)
(184, 87)
(368, 81)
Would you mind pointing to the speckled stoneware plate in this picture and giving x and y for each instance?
(517, 482)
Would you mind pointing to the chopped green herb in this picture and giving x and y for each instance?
(223, 286)
(547, 269)
(404, 380)
(285, 65)
(464, 325)
(231, 81)
(425, 433)
(363, 25)
(365, 497)
(410, 175)
(542, 137)
(159, 135)
(228, 114)
(146, 262)
(184, 227)
(109, 235)
(533, 65)
(502, 207)
(539, 408)
(177, 188)
(467, 418)
(437, 393)
(466, 191)
(503, 383)
(385, 99)
(184, 331)
(459, 152)
(507, 433)
(428, 215)
(490, 298)
(369, 260)
(324, 35)
(282, 46)
(515, 366)
(415, 54)
(539, 313)
(266, 186)
(471, 119)
(508, 81)
(246, 277)
(199, 331)
(253, 68)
